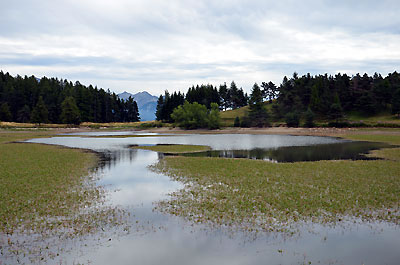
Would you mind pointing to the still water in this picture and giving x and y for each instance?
(163, 239)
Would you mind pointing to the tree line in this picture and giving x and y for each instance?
(50, 100)
(307, 96)
(225, 97)
(332, 96)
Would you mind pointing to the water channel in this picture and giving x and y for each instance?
(163, 239)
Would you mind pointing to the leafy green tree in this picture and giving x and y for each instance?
(190, 116)
(5, 114)
(70, 112)
(40, 113)
(214, 120)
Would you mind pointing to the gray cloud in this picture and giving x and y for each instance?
(157, 45)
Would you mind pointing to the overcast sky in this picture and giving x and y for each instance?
(137, 45)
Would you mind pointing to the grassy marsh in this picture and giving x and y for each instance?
(46, 191)
(258, 195)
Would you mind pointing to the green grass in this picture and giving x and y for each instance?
(174, 148)
(268, 196)
(383, 117)
(92, 125)
(47, 190)
(378, 120)
(232, 114)
(228, 116)
(391, 136)
(386, 138)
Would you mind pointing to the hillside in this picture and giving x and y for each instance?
(228, 116)
(382, 119)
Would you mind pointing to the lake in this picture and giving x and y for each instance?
(157, 238)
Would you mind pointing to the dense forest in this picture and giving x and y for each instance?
(226, 98)
(49, 100)
(28, 99)
(329, 97)
(333, 95)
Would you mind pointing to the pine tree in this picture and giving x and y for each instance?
(5, 114)
(292, 119)
(159, 109)
(233, 96)
(336, 110)
(236, 123)
(70, 112)
(40, 113)
(24, 114)
(213, 117)
(315, 100)
(223, 93)
(309, 118)
(396, 103)
(258, 114)
(133, 112)
(269, 91)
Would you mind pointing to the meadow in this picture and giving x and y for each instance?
(259, 195)
(49, 191)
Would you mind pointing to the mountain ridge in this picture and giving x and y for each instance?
(146, 102)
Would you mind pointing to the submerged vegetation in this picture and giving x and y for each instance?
(259, 195)
(46, 193)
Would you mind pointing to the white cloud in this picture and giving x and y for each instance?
(157, 45)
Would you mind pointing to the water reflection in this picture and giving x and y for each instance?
(343, 150)
(110, 159)
(163, 239)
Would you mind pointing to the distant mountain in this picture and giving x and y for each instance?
(125, 95)
(146, 102)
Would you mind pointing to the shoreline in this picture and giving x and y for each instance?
(299, 131)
